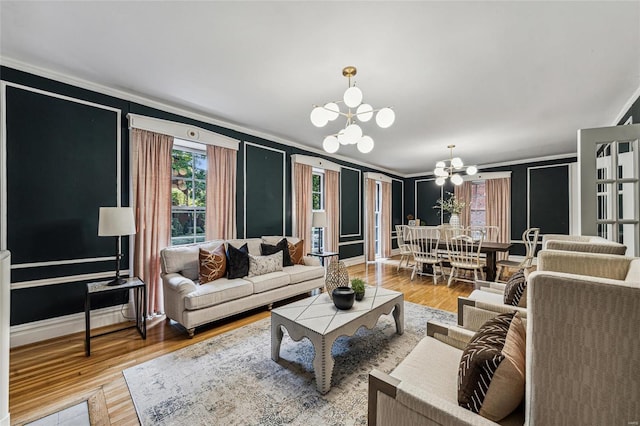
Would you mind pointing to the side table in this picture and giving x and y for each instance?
(323, 255)
(140, 295)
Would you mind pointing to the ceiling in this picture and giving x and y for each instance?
(503, 81)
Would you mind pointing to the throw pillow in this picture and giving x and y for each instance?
(283, 246)
(260, 265)
(492, 368)
(237, 261)
(296, 252)
(515, 288)
(212, 264)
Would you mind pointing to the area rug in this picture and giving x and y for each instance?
(231, 379)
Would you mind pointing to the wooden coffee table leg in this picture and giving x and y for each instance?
(323, 362)
(398, 315)
(276, 339)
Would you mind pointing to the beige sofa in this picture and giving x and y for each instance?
(193, 304)
(582, 360)
(488, 296)
(582, 243)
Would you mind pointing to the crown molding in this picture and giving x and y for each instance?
(105, 90)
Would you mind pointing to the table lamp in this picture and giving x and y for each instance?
(319, 221)
(115, 222)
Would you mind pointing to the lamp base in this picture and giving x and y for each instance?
(117, 281)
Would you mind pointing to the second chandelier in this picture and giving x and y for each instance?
(351, 134)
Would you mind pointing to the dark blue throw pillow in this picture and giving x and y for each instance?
(283, 245)
(237, 261)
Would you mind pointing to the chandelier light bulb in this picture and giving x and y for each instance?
(352, 97)
(352, 133)
(331, 110)
(385, 117)
(341, 138)
(365, 144)
(457, 162)
(331, 144)
(319, 117)
(457, 179)
(440, 172)
(472, 170)
(440, 165)
(364, 113)
(440, 181)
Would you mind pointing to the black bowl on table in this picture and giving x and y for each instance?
(343, 297)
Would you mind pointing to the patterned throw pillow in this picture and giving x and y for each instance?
(237, 261)
(283, 246)
(491, 373)
(296, 252)
(212, 264)
(515, 288)
(260, 265)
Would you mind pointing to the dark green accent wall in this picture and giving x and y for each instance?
(350, 199)
(549, 199)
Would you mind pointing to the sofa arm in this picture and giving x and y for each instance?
(473, 313)
(178, 283)
(419, 401)
(452, 335)
(311, 261)
(176, 287)
(493, 287)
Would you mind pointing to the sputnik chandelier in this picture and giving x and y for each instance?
(352, 133)
(444, 171)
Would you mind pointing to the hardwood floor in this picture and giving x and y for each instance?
(48, 376)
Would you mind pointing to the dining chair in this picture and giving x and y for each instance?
(464, 254)
(403, 244)
(530, 241)
(424, 246)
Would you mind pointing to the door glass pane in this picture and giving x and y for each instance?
(626, 152)
(605, 230)
(604, 206)
(626, 200)
(604, 161)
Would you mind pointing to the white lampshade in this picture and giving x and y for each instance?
(115, 221)
(331, 144)
(364, 113)
(352, 133)
(365, 144)
(472, 170)
(457, 162)
(319, 117)
(440, 165)
(352, 97)
(332, 110)
(341, 138)
(385, 117)
(457, 179)
(440, 181)
(319, 219)
(440, 172)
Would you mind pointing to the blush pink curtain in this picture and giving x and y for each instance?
(301, 199)
(151, 164)
(498, 208)
(385, 220)
(370, 193)
(332, 207)
(220, 218)
(463, 193)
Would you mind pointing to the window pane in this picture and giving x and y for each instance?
(179, 192)
(200, 166)
(200, 229)
(604, 161)
(316, 201)
(200, 193)
(182, 224)
(315, 182)
(182, 163)
(626, 201)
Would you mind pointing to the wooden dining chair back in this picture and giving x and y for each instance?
(424, 245)
(402, 232)
(530, 241)
(464, 254)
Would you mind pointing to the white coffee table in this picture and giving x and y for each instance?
(317, 319)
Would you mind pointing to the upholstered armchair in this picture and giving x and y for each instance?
(582, 243)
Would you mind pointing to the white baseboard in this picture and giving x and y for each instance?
(6, 421)
(37, 331)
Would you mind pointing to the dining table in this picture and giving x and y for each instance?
(490, 248)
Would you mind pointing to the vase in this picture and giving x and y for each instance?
(454, 220)
(337, 276)
(343, 297)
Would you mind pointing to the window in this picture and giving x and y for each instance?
(477, 206)
(188, 194)
(317, 204)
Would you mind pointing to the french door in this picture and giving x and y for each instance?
(609, 184)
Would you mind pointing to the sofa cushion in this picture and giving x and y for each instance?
(253, 244)
(300, 273)
(282, 246)
(212, 264)
(491, 374)
(260, 265)
(515, 288)
(273, 239)
(296, 252)
(237, 261)
(184, 259)
(266, 282)
(217, 292)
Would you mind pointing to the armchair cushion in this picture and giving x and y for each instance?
(237, 261)
(492, 368)
(212, 264)
(515, 288)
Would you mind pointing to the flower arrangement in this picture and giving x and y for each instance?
(451, 205)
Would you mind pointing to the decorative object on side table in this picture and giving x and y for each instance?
(115, 222)
(319, 222)
(357, 284)
(337, 276)
(452, 206)
(343, 297)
